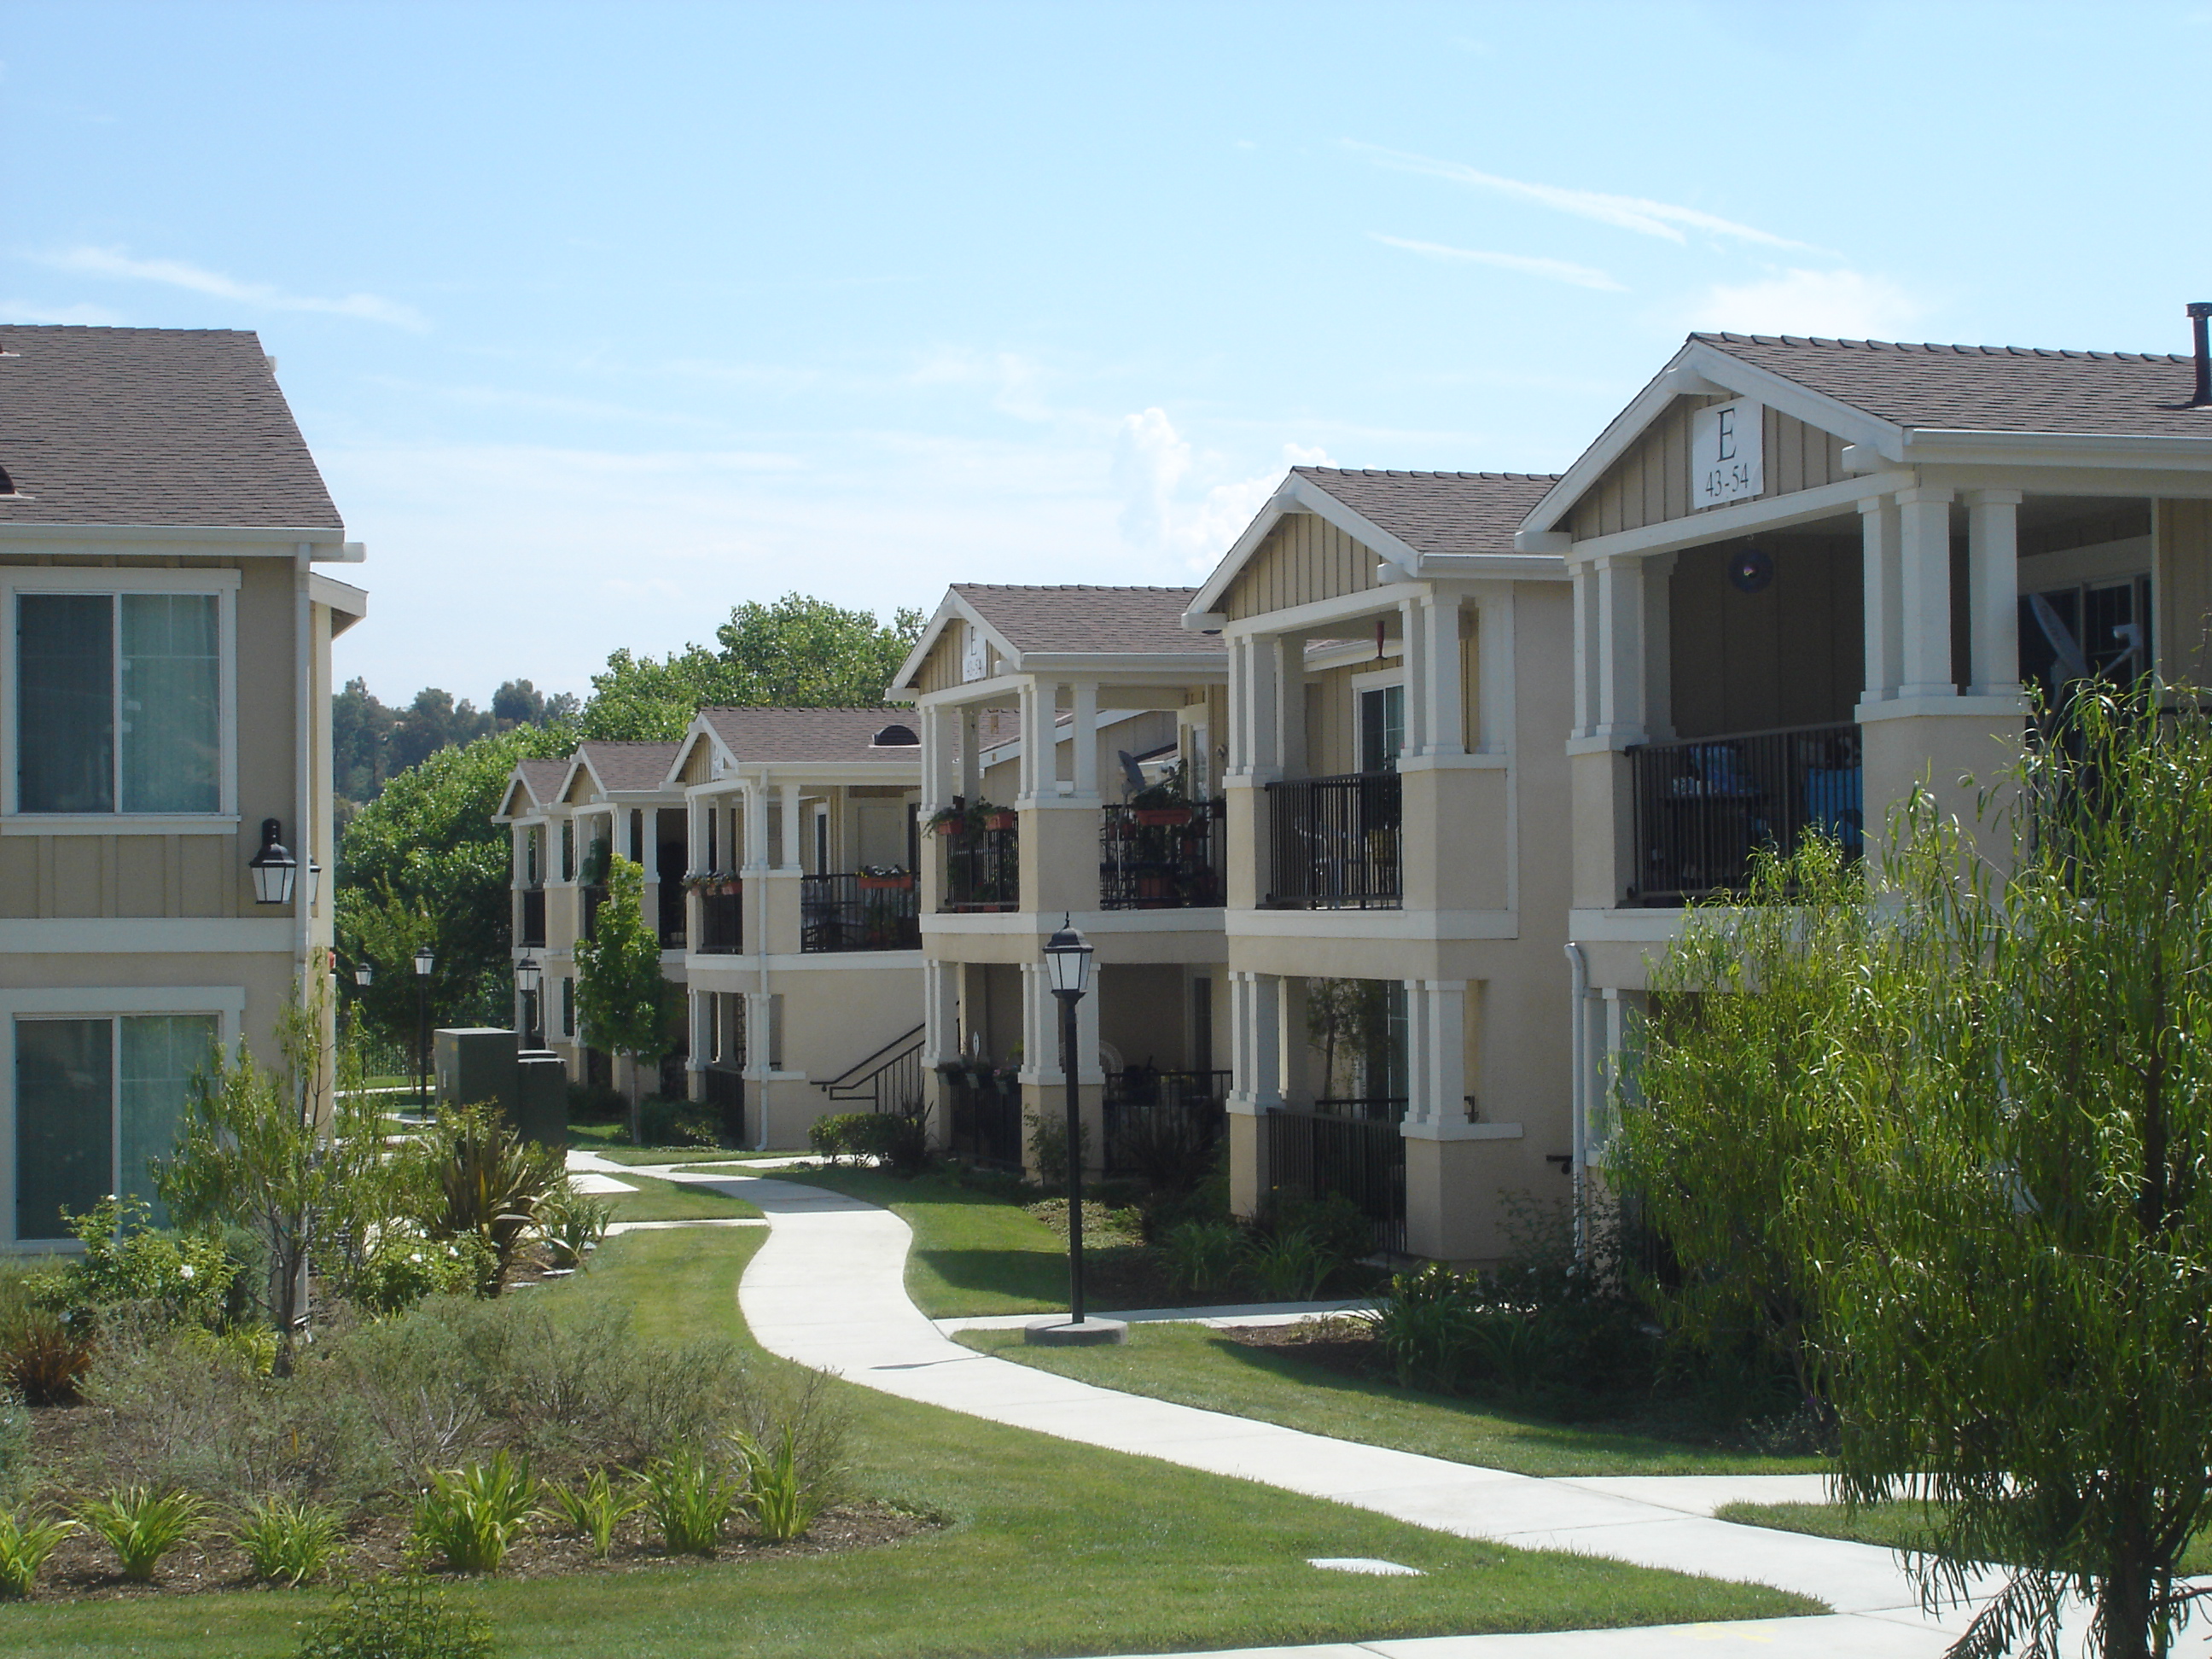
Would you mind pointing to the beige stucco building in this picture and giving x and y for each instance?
(164, 695)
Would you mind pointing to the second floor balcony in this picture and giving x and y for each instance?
(982, 866)
(531, 931)
(1161, 858)
(1705, 806)
(1336, 843)
(721, 919)
(859, 912)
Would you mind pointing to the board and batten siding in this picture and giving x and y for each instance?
(1791, 654)
(940, 669)
(1303, 558)
(1650, 482)
(2182, 563)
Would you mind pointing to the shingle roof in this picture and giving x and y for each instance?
(542, 777)
(629, 766)
(1437, 512)
(811, 734)
(1986, 388)
(1118, 620)
(151, 426)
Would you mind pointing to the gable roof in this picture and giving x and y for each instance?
(1078, 618)
(1404, 517)
(539, 780)
(152, 427)
(626, 768)
(809, 734)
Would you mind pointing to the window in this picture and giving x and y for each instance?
(1382, 727)
(96, 1101)
(567, 850)
(118, 702)
(568, 1007)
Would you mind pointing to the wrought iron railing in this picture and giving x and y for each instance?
(858, 912)
(890, 1080)
(1315, 1154)
(983, 870)
(1703, 806)
(985, 1118)
(533, 917)
(1161, 858)
(1154, 1120)
(1334, 843)
(670, 904)
(721, 924)
(723, 1092)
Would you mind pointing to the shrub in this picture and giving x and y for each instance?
(779, 1497)
(903, 1141)
(691, 1497)
(573, 1224)
(45, 1349)
(397, 1619)
(470, 1517)
(1200, 1255)
(26, 1541)
(404, 1268)
(141, 1526)
(1424, 1326)
(288, 1541)
(839, 1136)
(181, 1409)
(1170, 1149)
(1290, 1265)
(1048, 1149)
(15, 1441)
(187, 1276)
(483, 1181)
(664, 1122)
(592, 1509)
(1337, 1226)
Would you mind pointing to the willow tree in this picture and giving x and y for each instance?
(1988, 1174)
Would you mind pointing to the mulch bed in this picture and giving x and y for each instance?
(83, 1568)
(1346, 1346)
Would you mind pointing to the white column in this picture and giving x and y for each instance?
(1087, 1068)
(940, 735)
(792, 858)
(971, 758)
(703, 1029)
(940, 1012)
(1443, 695)
(1924, 566)
(1256, 1015)
(1239, 736)
(1493, 670)
(1436, 1010)
(1040, 1032)
(1030, 767)
(1588, 650)
(1413, 660)
(1263, 674)
(1084, 739)
(1993, 591)
(756, 826)
(1883, 580)
(1620, 646)
(760, 1033)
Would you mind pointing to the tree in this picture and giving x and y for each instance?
(435, 721)
(361, 729)
(623, 1003)
(518, 702)
(797, 652)
(1988, 1132)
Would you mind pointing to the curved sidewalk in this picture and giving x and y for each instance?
(828, 1290)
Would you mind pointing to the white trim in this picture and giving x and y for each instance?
(1407, 925)
(1720, 523)
(235, 539)
(118, 823)
(145, 936)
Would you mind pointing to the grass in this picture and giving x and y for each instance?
(1052, 1549)
(1898, 1526)
(669, 1200)
(630, 1156)
(1193, 1366)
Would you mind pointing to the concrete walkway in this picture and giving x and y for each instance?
(828, 1290)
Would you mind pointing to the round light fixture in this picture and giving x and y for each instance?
(1751, 570)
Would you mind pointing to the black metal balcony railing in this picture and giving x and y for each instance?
(592, 898)
(858, 912)
(672, 913)
(1703, 806)
(533, 917)
(1156, 1122)
(1315, 1154)
(984, 1121)
(1161, 858)
(721, 924)
(1335, 843)
(982, 870)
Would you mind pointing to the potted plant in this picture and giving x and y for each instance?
(885, 878)
(1163, 803)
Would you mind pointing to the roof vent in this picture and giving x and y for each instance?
(2199, 311)
(894, 736)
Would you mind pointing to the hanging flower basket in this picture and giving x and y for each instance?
(1000, 820)
(886, 884)
(1156, 816)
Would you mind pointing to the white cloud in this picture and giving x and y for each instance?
(1852, 303)
(1556, 271)
(176, 273)
(1152, 463)
(31, 310)
(1635, 213)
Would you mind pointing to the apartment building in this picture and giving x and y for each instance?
(1071, 770)
(1398, 690)
(165, 685)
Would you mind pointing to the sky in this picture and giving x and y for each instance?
(601, 320)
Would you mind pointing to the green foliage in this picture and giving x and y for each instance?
(573, 1224)
(691, 1497)
(141, 1526)
(796, 653)
(592, 1508)
(44, 1344)
(664, 1122)
(287, 1540)
(470, 1517)
(404, 1268)
(482, 1181)
(779, 1497)
(27, 1539)
(1349, 1021)
(423, 864)
(623, 1001)
(1290, 1265)
(1048, 1148)
(397, 1619)
(899, 1141)
(187, 1276)
(1980, 1111)
(1199, 1255)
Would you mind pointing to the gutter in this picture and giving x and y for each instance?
(1578, 971)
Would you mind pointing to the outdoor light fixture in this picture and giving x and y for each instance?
(364, 975)
(274, 867)
(426, 963)
(1067, 959)
(314, 880)
(528, 976)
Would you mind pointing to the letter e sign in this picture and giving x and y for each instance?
(1726, 460)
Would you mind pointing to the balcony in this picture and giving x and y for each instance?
(1703, 806)
(1359, 1153)
(670, 917)
(721, 919)
(1158, 1121)
(533, 917)
(983, 868)
(1161, 858)
(858, 912)
(1336, 843)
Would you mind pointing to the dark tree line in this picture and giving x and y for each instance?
(372, 742)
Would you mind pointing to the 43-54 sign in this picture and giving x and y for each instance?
(1727, 458)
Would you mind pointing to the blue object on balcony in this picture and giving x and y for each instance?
(1833, 802)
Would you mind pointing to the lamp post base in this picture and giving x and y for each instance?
(1061, 1332)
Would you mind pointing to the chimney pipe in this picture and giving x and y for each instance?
(2199, 311)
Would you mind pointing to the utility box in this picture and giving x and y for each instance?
(476, 1065)
(541, 1097)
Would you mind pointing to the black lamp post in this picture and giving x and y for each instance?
(528, 977)
(426, 963)
(1068, 958)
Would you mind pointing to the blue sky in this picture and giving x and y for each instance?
(603, 318)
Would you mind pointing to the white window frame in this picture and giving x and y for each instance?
(227, 1003)
(1377, 680)
(222, 585)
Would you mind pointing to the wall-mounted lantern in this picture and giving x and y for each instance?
(274, 869)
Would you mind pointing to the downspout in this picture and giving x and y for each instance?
(302, 760)
(1578, 972)
(766, 1005)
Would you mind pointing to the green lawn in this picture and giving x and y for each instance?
(1193, 1366)
(1893, 1526)
(1052, 1549)
(667, 1201)
(619, 1152)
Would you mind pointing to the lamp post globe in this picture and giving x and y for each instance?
(426, 963)
(364, 975)
(528, 978)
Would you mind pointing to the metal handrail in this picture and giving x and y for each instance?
(1703, 805)
(1336, 843)
(1161, 858)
